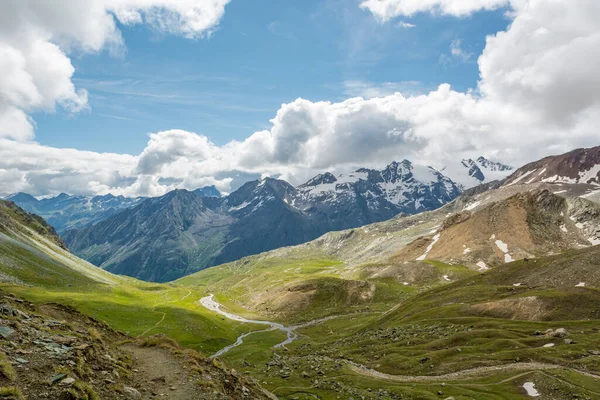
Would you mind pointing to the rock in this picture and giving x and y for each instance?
(569, 341)
(560, 333)
(62, 340)
(57, 378)
(21, 361)
(305, 374)
(6, 332)
(131, 393)
(594, 352)
(67, 381)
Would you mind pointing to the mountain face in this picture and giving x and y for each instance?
(470, 173)
(164, 238)
(367, 195)
(578, 166)
(65, 212)
(208, 191)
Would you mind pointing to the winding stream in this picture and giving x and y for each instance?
(209, 303)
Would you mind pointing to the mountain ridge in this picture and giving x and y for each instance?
(151, 241)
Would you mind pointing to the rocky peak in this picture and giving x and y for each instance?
(395, 172)
(321, 179)
(474, 170)
(492, 165)
(208, 191)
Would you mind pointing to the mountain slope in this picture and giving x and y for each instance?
(168, 237)
(160, 239)
(578, 166)
(32, 252)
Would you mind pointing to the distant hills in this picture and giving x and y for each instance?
(66, 212)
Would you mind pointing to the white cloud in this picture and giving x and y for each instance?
(36, 38)
(457, 51)
(539, 93)
(381, 89)
(385, 10)
(404, 24)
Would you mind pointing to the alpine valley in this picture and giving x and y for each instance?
(493, 295)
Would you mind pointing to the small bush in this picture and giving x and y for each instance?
(11, 393)
(6, 368)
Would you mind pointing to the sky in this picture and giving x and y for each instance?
(139, 97)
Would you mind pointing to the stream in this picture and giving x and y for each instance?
(209, 303)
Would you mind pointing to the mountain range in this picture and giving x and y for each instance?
(66, 212)
(161, 239)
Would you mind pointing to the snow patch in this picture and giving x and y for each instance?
(504, 248)
(547, 345)
(493, 237)
(517, 284)
(482, 266)
(563, 228)
(525, 175)
(243, 205)
(466, 251)
(561, 191)
(472, 206)
(446, 278)
(580, 284)
(530, 389)
(559, 179)
(589, 175)
(435, 239)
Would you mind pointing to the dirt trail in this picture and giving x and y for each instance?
(160, 372)
(163, 313)
(459, 375)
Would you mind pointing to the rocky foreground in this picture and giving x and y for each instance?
(54, 352)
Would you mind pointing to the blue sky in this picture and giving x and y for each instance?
(263, 54)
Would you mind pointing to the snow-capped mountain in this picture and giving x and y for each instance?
(378, 195)
(179, 233)
(469, 173)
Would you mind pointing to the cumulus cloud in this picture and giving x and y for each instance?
(539, 93)
(37, 37)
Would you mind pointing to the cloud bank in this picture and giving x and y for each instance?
(539, 93)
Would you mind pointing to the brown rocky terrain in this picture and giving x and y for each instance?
(54, 352)
(577, 166)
